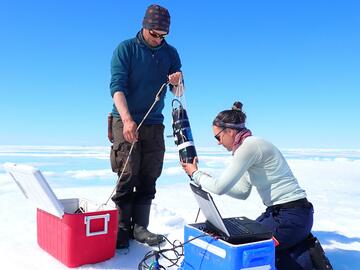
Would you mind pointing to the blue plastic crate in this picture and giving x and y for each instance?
(208, 253)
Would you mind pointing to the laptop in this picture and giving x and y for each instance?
(235, 230)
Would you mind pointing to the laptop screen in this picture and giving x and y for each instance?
(208, 208)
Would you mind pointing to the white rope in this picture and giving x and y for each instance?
(157, 98)
(180, 93)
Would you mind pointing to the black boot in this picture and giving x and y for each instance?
(141, 222)
(317, 254)
(124, 230)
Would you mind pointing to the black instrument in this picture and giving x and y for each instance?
(182, 133)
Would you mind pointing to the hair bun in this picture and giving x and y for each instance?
(237, 106)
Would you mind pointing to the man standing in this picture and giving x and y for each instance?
(139, 67)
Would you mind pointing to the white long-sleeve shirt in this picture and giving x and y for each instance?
(255, 163)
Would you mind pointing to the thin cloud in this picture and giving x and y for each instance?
(90, 174)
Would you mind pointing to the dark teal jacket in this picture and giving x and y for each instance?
(138, 71)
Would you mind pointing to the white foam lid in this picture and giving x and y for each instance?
(35, 188)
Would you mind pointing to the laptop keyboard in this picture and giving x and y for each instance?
(234, 227)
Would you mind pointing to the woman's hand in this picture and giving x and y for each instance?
(190, 168)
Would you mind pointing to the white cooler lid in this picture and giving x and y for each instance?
(34, 186)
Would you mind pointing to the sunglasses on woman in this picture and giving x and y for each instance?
(217, 136)
(157, 35)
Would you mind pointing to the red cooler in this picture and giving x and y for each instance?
(74, 231)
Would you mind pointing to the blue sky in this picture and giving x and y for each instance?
(294, 65)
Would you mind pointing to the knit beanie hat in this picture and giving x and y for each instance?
(157, 18)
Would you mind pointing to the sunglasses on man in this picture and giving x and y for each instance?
(157, 35)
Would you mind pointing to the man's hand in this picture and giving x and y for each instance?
(175, 79)
(190, 168)
(129, 131)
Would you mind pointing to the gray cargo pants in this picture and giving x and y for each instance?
(137, 184)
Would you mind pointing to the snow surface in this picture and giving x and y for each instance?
(330, 177)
